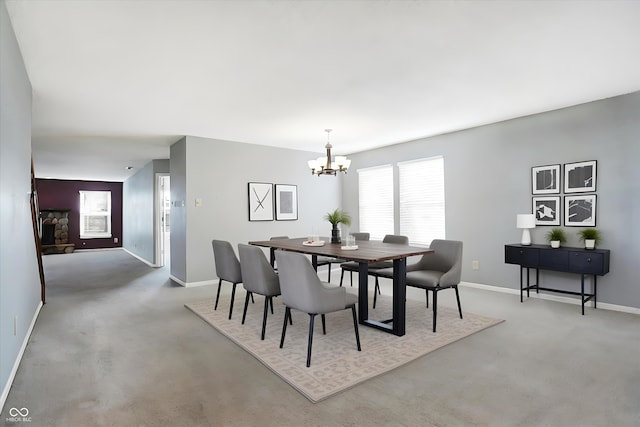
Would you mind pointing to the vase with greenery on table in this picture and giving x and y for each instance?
(590, 236)
(336, 217)
(556, 236)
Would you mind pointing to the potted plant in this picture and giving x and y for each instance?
(556, 236)
(590, 237)
(337, 217)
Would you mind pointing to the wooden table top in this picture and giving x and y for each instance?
(368, 250)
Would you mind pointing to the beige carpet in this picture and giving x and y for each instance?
(336, 364)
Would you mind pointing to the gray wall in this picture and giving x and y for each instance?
(19, 280)
(138, 201)
(218, 173)
(178, 183)
(488, 182)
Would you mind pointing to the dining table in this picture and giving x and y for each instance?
(365, 252)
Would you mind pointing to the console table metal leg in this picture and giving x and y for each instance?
(528, 284)
(595, 290)
(521, 283)
(537, 280)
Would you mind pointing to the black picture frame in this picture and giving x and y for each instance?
(286, 196)
(545, 179)
(260, 198)
(580, 210)
(580, 177)
(546, 210)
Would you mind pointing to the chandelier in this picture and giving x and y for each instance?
(324, 165)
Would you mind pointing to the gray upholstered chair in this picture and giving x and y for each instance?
(435, 271)
(227, 268)
(374, 266)
(326, 260)
(272, 257)
(258, 277)
(302, 290)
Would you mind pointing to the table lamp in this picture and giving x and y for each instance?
(526, 221)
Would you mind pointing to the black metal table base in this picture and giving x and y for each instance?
(395, 325)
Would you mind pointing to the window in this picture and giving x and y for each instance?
(95, 214)
(375, 193)
(422, 200)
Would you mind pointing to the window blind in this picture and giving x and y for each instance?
(422, 208)
(95, 214)
(375, 201)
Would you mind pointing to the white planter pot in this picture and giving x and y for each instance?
(589, 244)
(555, 243)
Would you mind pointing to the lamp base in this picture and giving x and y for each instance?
(526, 237)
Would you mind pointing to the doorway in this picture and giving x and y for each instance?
(163, 220)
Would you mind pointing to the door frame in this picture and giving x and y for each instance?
(158, 232)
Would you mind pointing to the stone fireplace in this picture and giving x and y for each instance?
(55, 231)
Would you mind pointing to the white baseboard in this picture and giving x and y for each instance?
(16, 365)
(150, 264)
(193, 284)
(550, 297)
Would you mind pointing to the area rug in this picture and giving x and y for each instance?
(336, 364)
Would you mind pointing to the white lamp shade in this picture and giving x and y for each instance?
(526, 221)
(313, 164)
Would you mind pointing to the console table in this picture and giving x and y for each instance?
(594, 262)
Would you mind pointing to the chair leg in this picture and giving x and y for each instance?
(426, 291)
(218, 294)
(351, 278)
(355, 326)
(252, 301)
(378, 286)
(233, 295)
(246, 304)
(341, 277)
(287, 314)
(324, 325)
(311, 318)
(458, 298)
(271, 302)
(329, 272)
(435, 308)
(264, 316)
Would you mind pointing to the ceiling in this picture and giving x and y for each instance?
(116, 82)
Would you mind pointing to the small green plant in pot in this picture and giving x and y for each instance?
(590, 236)
(556, 236)
(337, 217)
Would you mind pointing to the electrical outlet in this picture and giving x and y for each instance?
(115, 240)
(475, 265)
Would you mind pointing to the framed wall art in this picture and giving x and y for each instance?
(580, 210)
(545, 179)
(547, 210)
(260, 201)
(580, 177)
(286, 202)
